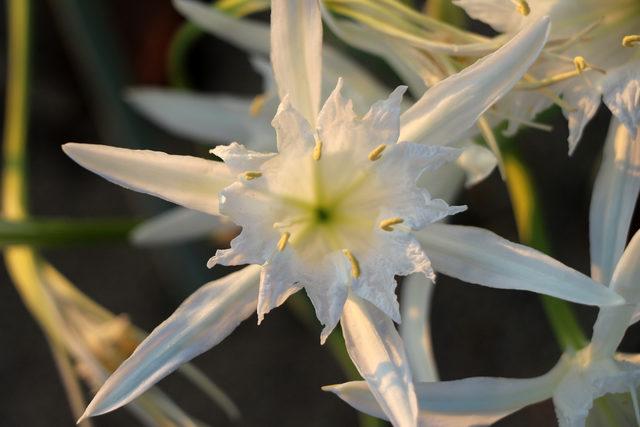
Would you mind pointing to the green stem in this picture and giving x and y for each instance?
(62, 232)
(14, 179)
(531, 229)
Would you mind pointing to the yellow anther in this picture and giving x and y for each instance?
(631, 40)
(580, 63)
(317, 150)
(355, 266)
(251, 175)
(387, 224)
(257, 105)
(522, 6)
(376, 153)
(284, 239)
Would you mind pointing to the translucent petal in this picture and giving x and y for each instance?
(621, 93)
(615, 193)
(203, 118)
(612, 323)
(479, 256)
(180, 225)
(296, 49)
(377, 351)
(202, 321)
(415, 328)
(467, 402)
(477, 162)
(188, 181)
(450, 108)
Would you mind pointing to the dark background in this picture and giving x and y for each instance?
(273, 372)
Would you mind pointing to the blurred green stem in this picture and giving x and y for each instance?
(532, 232)
(14, 179)
(61, 232)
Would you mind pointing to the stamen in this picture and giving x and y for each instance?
(387, 224)
(284, 239)
(257, 105)
(317, 150)
(355, 266)
(631, 40)
(580, 63)
(376, 153)
(251, 175)
(522, 6)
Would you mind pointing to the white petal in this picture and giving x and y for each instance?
(202, 321)
(612, 323)
(377, 351)
(468, 402)
(415, 305)
(203, 118)
(238, 159)
(479, 256)
(341, 129)
(180, 225)
(621, 93)
(451, 107)
(584, 100)
(188, 181)
(477, 162)
(296, 49)
(615, 193)
(252, 36)
(293, 131)
(276, 284)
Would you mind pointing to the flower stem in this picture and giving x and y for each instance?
(531, 229)
(62, 232)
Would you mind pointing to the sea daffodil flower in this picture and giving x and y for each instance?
(581, 377)
(333, 211)
(592, 54)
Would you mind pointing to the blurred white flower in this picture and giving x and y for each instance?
(592, 53)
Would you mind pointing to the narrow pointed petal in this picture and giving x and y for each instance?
(377, 351)
(451, 107)
(296, 53)
(482, 257)
(252, 36)
(612, 323)
(188, 181)
(415, 305)
(461, 403)
(202, 321)
(179, 225)
(202, 118)
(615, 193)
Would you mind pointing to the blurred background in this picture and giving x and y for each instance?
(85, 55)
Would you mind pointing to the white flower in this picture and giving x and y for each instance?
(579, 378)
(334, 211)
(592, 53)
